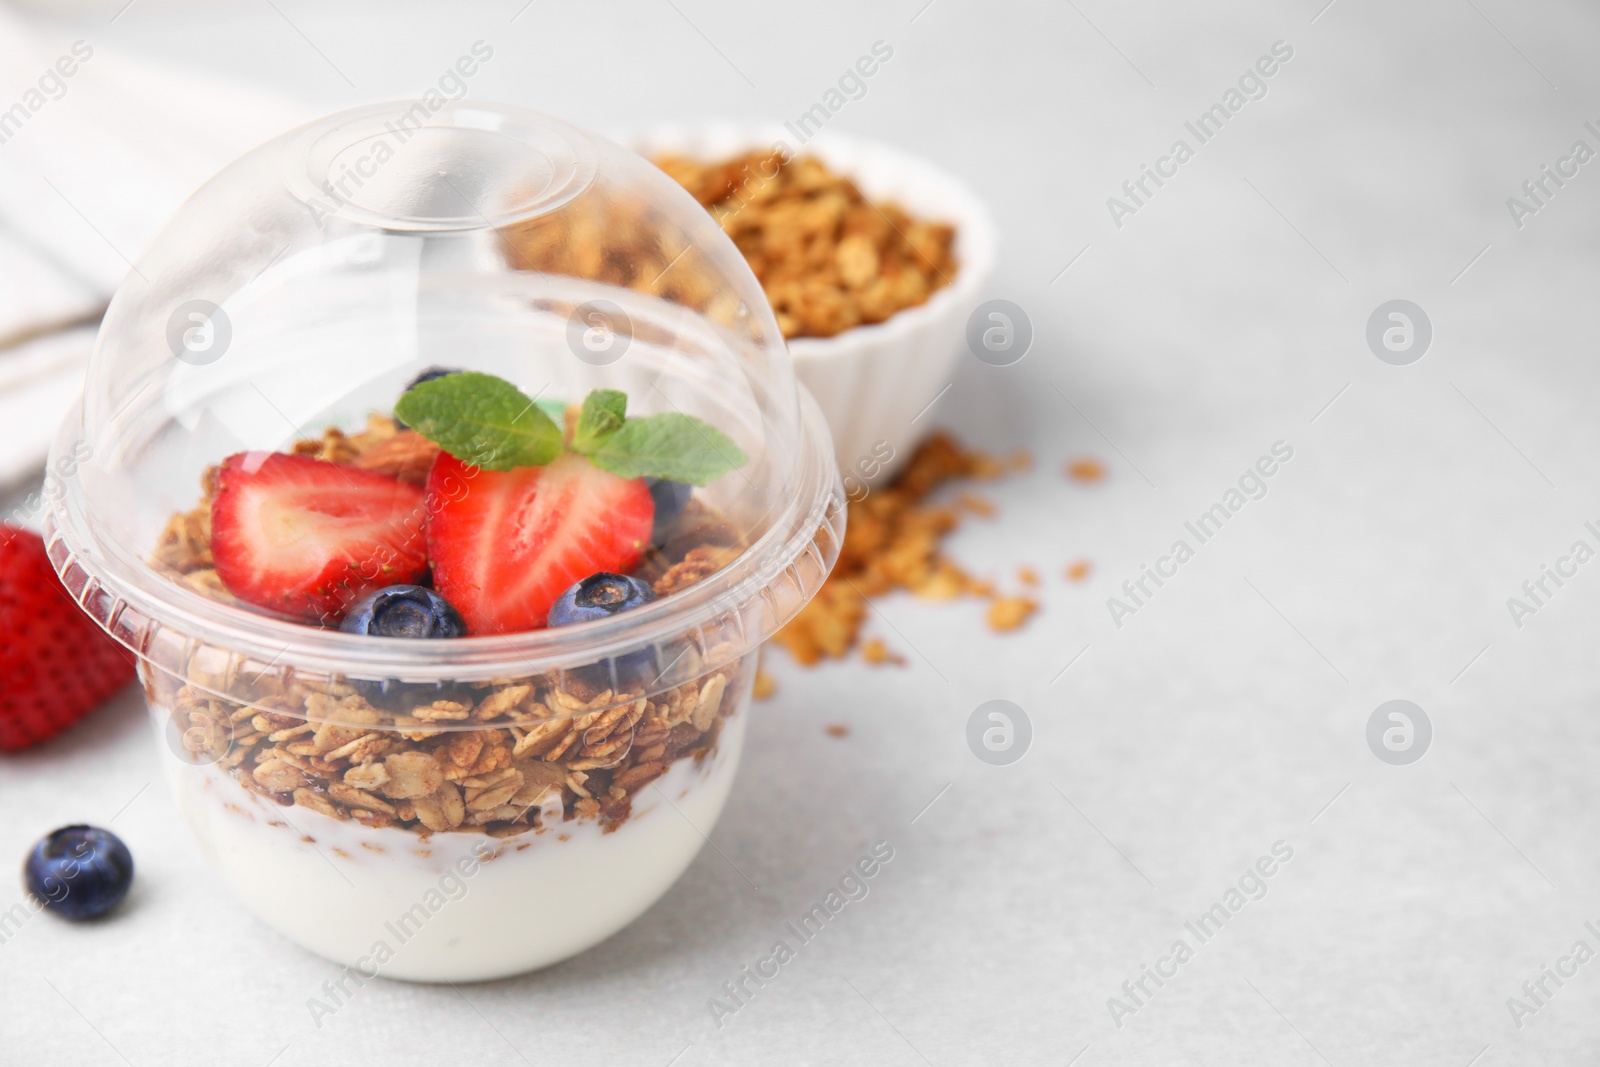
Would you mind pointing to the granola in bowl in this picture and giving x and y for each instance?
(872, 258)
(828, 258)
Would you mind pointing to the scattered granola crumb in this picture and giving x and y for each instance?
(765, 686)
(877, 653)
(1086, 470)
(976, 504)
(892, 542)
(1028, 576)
(838, 729)
(947, 583)
(1078, 570)
(826, 627)
(1010, 612)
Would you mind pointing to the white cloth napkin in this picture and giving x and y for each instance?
(91, 164)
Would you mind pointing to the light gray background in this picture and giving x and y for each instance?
(1228, 714)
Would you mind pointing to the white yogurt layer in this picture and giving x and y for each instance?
(456, 907)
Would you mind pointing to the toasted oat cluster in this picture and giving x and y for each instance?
(498, 765)
(828, 258)
(892, 542)
(488, 758)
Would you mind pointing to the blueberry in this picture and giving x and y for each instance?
(599, 596)
(79, 872)
(670, 497)
(426, 376)
(404, 611)
(429, 375)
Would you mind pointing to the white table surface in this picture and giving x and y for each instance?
(1228, 714)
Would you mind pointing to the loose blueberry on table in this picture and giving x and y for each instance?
(79, 872)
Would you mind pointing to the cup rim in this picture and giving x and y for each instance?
(115, 592)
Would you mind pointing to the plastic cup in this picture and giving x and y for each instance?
(506, 800)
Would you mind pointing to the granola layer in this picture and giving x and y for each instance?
(481, 757)
(494, 766)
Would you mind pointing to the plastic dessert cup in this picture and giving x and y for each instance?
(463, 809)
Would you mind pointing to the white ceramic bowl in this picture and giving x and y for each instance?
(877, 384)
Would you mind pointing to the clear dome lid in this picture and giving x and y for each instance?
(293, 298)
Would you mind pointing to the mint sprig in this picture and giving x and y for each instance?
(671, 445)
(489, 422)
(603, 413)
(482, 420)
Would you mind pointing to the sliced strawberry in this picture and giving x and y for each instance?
(506, 544)
(307, 537)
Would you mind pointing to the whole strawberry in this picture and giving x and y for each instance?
(56, 665)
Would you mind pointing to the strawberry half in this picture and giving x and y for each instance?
(308, 537)
(57, 664)
(506, 544)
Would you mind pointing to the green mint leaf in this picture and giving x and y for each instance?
(482, 420)
(672, 445)
(603, 413)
